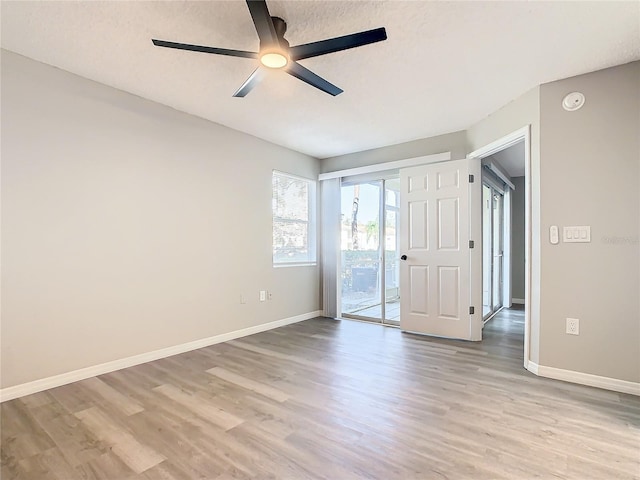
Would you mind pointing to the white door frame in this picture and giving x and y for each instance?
(523, 133)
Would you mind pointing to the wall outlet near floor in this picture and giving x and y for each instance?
(263, 295)
(573, 326)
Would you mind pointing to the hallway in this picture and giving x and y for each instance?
(504, 334)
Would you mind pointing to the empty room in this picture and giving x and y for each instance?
(319, 240)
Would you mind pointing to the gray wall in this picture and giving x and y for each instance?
(591, 176)
(129, 227)
(115, 213)
(585, 171)
(455, 143)
(517, 239)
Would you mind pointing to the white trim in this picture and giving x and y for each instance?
(381, 167)
(35, 386)
(295, 264)
(500, 144)
(532, 367)
(523, 133)
(368, 177)
(291, 175)
(518, 301)
(607, 383)
(475, 254)
(528, 245)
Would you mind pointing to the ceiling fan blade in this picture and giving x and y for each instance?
(255, 78)
(336, 44)
(200, 48)
(262, 20)
(298, 71)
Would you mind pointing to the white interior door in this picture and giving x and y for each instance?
(436, 280)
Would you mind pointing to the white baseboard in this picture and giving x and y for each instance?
(531, 366)
(518, 301)
(607, 383)
(35, 386)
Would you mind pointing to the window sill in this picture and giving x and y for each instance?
(297, 264)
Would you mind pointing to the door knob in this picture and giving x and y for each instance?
(403, 257)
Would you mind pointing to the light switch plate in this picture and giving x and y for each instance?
(576, 234)
(553, 234)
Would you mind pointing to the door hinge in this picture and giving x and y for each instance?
(472, 310)
(471, 178)
(471, 244)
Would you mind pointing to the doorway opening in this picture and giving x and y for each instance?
(503, 229)
(370, 259)
(506, 207)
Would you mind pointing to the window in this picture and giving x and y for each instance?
(294, 229)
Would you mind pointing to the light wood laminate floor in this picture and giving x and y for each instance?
(328, 400)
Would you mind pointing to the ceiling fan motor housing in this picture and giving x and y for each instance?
(280, 26)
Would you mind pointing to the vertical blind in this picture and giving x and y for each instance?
(330, 218)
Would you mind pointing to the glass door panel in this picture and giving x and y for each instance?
(487, 256)
(497, 251)
(492, 249)
(391, 251)
(369, 249)
(361, 250)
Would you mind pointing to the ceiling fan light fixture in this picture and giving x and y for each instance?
(275, 53)
(274, 59)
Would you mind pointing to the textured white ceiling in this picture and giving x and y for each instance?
(445, 65)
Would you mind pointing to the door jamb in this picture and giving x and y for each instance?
(523, 133)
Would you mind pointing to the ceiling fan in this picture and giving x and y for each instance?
(275, 52)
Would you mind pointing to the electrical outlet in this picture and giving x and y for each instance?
(269, 296)
(243, 299)
(263, 295)
(573, 326)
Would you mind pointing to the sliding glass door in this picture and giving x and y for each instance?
(369, 254)
(360, 249)
(493, 249)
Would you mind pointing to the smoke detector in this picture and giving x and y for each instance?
(573, 101)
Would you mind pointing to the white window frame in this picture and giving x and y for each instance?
(310, 222)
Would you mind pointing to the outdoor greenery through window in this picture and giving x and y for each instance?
(294, 232)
